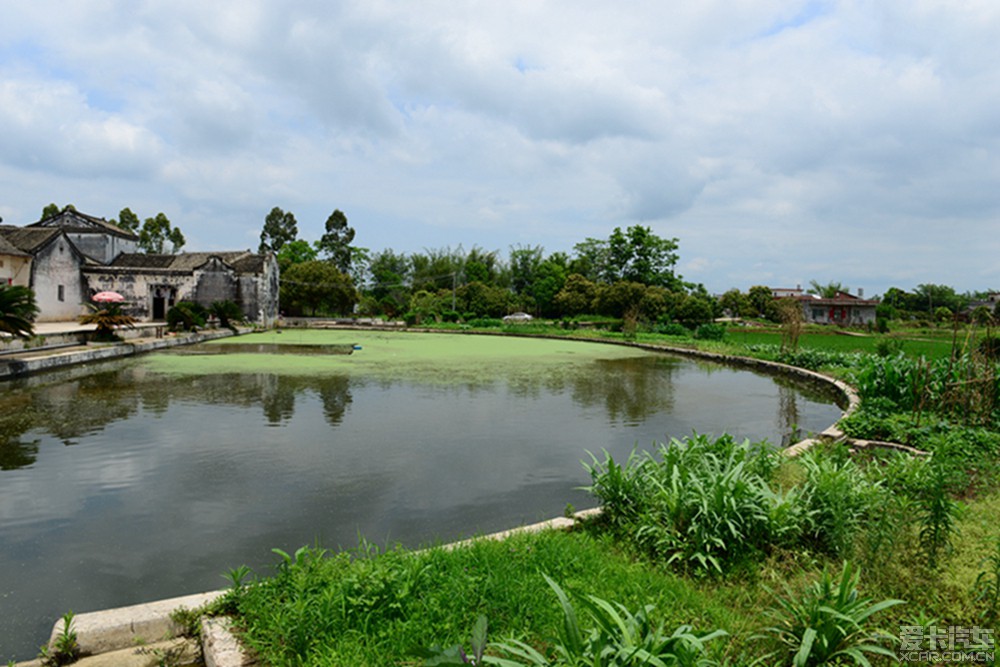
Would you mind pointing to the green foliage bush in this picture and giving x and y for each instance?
(485, 323)
(707, 505)
(810, 358)
(965, 387)
(186, 316)
(710, 332)
(619, 638)
(671, 329)
(838, 497)
(828, 623)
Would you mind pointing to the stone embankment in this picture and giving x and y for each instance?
(59, 349)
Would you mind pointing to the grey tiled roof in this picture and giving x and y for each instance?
(28, 239)
(81, 222)
(242, 261)
(8, 248)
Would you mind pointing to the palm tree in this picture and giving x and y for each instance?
(17, 310)
(107, 317)
(227, 312)
(827, 291)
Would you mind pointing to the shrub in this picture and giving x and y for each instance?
(989, 347)
(228, 313)
(839, 497)
(888, 347)
(828, 623)
(704, 506)
(618, 637)
(671, 329)
(485, 323)
(710, 332)
(186, 315)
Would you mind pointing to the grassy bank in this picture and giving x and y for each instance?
(719, 549)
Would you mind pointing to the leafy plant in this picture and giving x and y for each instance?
(107, 317)
(828, 623)
(171, 656)
(455, 656)
(186, 316)
(619, 638)
(228, 313)
(987, 587)
(17, 310)
(237, 576)
(937, 512)
(888, 347)
(705, 505)
(710, 332)
(839, 497)
(65, 648)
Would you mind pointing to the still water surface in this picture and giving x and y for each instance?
(121, 484)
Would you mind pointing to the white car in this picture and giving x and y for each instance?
(518, 317)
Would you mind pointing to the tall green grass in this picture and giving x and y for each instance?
(377, 607)
(705, 505)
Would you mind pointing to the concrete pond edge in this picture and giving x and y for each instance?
(128, 629)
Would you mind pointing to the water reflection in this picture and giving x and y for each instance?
(626, 392)
(173, 479)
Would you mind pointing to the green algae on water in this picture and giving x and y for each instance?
(424, 357)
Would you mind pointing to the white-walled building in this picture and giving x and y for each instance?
(71, 256)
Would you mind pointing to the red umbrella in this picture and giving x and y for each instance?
(108, 297)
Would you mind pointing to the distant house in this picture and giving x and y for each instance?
(53, 270)
(844, 309)
(71, 256)
(785, 292)
(151, 284)
(96, 238)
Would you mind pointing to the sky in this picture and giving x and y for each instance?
(779, 141)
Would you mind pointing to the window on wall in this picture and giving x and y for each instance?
(62, 293)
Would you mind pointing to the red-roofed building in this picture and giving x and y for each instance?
(843, 310)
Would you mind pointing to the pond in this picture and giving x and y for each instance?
(136, 480)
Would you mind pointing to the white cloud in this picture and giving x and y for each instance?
(754, 132)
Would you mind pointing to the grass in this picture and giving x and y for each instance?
(358, 610)
(710, 569)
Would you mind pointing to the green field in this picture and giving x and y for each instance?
(933, 344)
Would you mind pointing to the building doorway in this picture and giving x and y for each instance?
(163, 300)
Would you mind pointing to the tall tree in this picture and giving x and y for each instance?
(436, 268)
(827, 291)
(576, 297)
(635, 255)
(480, 266)
(155, 234)
(524, 263)
(336, 242)
(296, 252)
(280, 227)
(390, 273)
(736, 303)
(929, 297)
(50, 211)
(17, 310)
(762, 301)
(549, 278)
(318, 286)
(128, 220)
